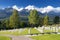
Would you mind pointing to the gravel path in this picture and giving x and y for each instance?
(21, 38)
(18, 37)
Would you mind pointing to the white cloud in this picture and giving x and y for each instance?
(30, 7)
(42, 10)
(49, 9)
(15, 7)
(46, 9)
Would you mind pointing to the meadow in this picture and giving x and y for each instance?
(17, 32)
(4, 38)
(33, 31)
(47, 37)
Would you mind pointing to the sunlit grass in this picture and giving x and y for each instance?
(18, 32)
(45, 31)
(47, 37)
(24, 32)
(4, 38)
(10, 32)
(33, 31)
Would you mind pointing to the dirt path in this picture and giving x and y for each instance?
(18, 37)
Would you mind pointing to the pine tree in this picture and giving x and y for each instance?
(7, 23)
(56, 20)
(0, 25)
(41, 21)
(14, 19)
(46, 18)
(33, 17)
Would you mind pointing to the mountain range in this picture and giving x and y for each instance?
(6, 12)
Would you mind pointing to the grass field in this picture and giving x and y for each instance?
(4, 38)
(47, 31)
(10, 32)
(24, 31)
(47, 37)
(59, 30)
(18, 32)
(32, 31)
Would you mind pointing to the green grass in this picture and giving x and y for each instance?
(4, 38)
(45, 31)
(9, 32)
(24, 32)
(59, 30)
(33, 31)
(47, 37)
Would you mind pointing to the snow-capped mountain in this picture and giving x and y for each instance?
(51, 11)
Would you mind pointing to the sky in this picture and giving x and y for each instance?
(42, 6)
(24, 3)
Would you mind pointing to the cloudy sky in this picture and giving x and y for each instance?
(40, 5)
(24, 3)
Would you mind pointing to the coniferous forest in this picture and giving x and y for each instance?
(34, 20)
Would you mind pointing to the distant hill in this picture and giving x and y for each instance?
(5, 13)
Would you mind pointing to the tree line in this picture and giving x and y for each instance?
(34, 20)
